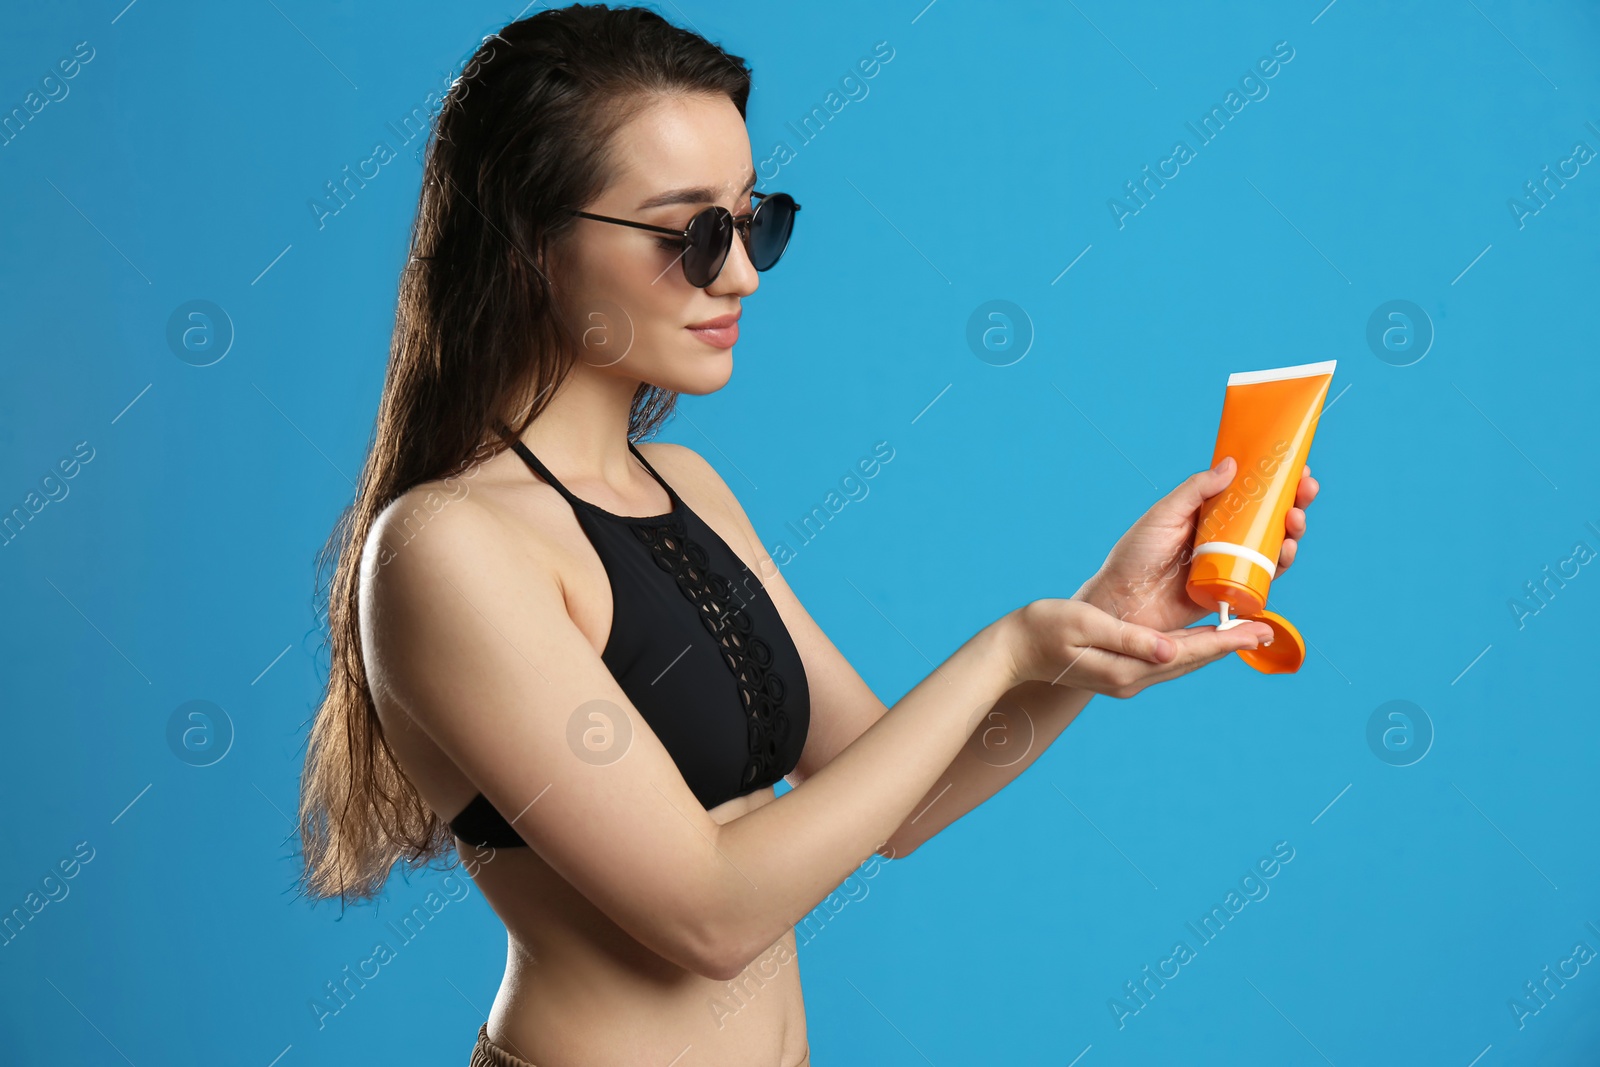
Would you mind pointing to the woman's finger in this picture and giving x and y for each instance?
(1100, 669)
(1198, 646)
(1129, 639)
(1203, 655)
(1245, 634)
(1193, 647)
(1306, 491)
(1294, 523)
(1287, 553)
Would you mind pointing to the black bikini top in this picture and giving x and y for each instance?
(704, 657)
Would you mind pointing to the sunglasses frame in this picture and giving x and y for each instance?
(736, 220)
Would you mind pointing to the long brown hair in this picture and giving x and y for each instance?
(523, 136)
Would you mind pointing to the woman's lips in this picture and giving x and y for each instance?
(723, 337)
(721, 332)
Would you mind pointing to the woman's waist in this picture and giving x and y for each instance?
(582, 1002)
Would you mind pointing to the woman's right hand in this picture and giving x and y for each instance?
(1072, 643)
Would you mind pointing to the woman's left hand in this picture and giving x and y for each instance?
(1142, 580)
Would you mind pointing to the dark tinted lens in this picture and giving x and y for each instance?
(710, 237)
(770, 229)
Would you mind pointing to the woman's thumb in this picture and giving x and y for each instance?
(1203, 485)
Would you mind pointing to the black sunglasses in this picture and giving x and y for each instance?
(709, 236)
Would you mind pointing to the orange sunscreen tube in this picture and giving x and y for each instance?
(1268, 420)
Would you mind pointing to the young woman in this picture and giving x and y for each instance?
(582, 670)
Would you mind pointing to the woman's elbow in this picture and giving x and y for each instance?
(726, 961)
(709, 956)
(721, 970)
(718, 947)
(730, 952)
(693, 937)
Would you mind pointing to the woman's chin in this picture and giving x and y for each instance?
(712, 373)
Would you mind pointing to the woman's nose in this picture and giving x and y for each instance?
(738, 274)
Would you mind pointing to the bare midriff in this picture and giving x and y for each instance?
(580, 989)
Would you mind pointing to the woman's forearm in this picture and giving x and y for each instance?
(1023, 723)
(785, 856)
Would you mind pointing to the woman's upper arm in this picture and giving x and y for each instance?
(843, 706)
(468, 632)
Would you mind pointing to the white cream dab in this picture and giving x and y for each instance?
(1225, 623)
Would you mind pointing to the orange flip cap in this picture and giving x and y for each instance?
(1286, 651)
(1268, 420)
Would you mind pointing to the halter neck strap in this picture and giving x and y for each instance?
(544, 472)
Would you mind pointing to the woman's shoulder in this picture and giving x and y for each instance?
(460, 518)
(686, 469)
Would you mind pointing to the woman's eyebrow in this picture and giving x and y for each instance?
(701, 194)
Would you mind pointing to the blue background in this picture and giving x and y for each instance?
(1379, 167)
